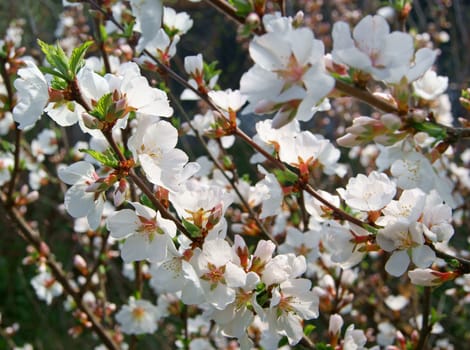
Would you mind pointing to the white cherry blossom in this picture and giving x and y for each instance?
(176, 275)
(282, 268)
(203, 205)
(429, 277)
(430, 85)
(228, 100)
(33, 95)
(413, 170)
(292, 301)
(148, 14)
(302, 243)
(6, 164)
(344, 242)
(176, 23)
(307, 150)
(437, 218)
(404, 238)
(220, 273)
(396, 303)
(82, 199)
(153, 145)
(147, 235)
(44, 144)
(288, 76)
(138, 317)
(368, 193)
(373, 49)
(46, 286)
(234, 320)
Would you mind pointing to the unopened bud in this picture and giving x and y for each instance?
(336, 322)
(386, 97)
(80, 264)
(298, 19)
(32, 196)
(91, 122)
(253, 20)
(391, 121)
(215, 215)
(44, 249)
(120, 193)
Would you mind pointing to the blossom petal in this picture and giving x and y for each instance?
(397, 263)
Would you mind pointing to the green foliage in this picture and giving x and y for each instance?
(128, 31)
(286, 177)
(283, 342)
(77, 59)
(308, 329)
(243, 7)
(193, 230)
(146, 201)
(210, 70)
(61, 66)
(106, 158)
(431, 129)
(102, 107)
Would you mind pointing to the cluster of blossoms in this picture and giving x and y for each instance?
(189, 232)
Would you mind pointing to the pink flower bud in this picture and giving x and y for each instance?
(80, 264)
(430, 277)
(336, 322)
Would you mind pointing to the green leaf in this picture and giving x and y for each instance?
(193, 230)
(105, 158)
(77, 58)
(436, 316)
(57, 59)
(102, 107)
(146, 201)
(210, 70)
(283, 342)
(431, 129)
(243, 7)
(323, 346)
(128, 31)
(286, 177)
(58, 83)
(54, 72)
(103, 33)
(308, 329)
(6, 146)
(260, 287)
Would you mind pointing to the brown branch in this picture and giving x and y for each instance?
(104, 244)
(226, 9)
(365, 96)
(464, 264)
(102, 45)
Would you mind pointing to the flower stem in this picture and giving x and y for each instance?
(425, 326)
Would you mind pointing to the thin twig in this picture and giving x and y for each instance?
(425, 324)
(219, 166)
(226, 9)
